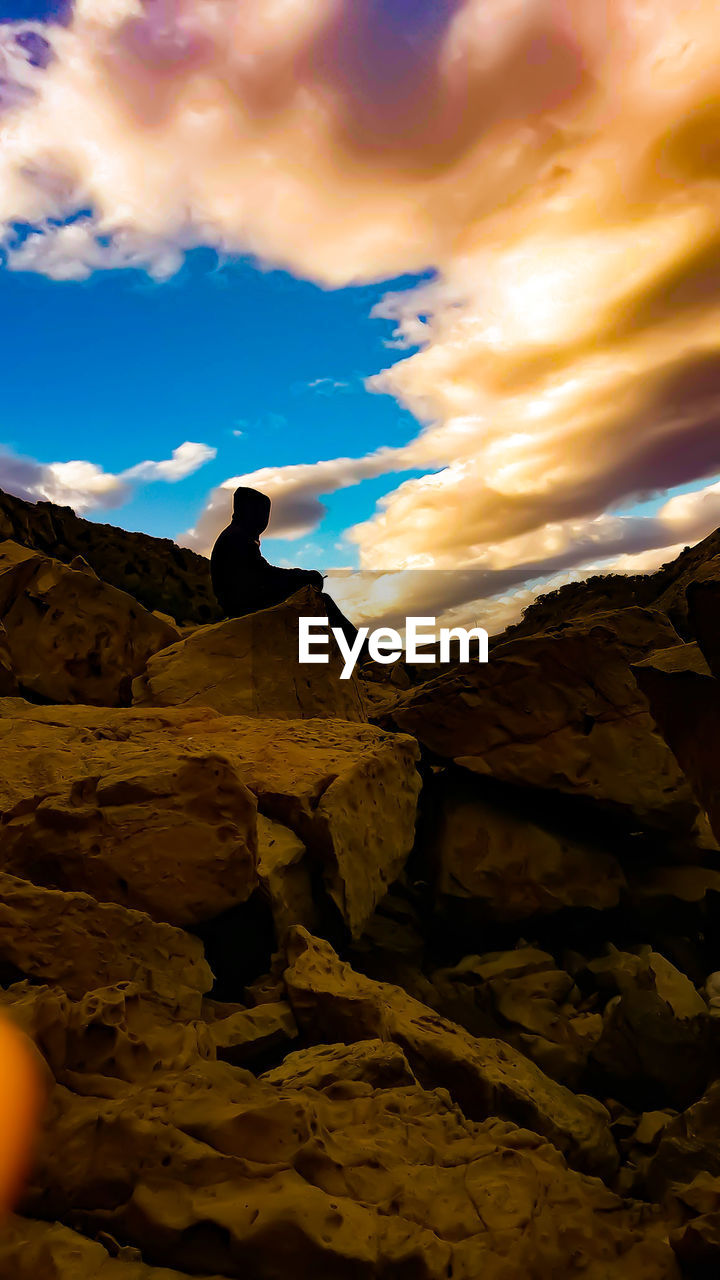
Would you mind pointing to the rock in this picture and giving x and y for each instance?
(138, 821)
(72, 941)
(656, 1038)
(349, 1170)
(689, 1145)
(161, 804)
(704, 613)
(563, 713)
(8, 682)
(249, 1034)
(697, 1242)
(651, 1126)
(284, 875)
(531, 1004)
(156, 572)
(371, 1062)
(109, 1038)
(484, 1076)
(73, 638)
(49, 1251)
(249, 666)
(685, 703)
(494, 863)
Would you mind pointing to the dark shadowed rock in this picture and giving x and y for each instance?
(685, 703)
(492, 862)
(704, 612)
(72, 638)
(562, 713)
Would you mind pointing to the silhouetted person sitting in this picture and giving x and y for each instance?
(242, 579)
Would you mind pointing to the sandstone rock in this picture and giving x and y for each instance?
(685, 703)
(160, 804)
(369, 1175)
(689, 1145)
(493, 862)
(249, 666)
(562, 713)
(284, 874)
(484, 1076)
(74, 942)
(249, 1034)
(110, 1037)
(139, 822)
(656, 1036)
(49, 1251)
(529, 1002)
(704, 612)
(73, 638)
(8, 682)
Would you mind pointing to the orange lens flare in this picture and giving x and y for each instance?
(19, 1106)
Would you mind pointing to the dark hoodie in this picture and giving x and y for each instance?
(242, 579)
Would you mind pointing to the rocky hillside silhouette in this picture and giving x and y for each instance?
(158, 573)
(665, 589)
(389, 979)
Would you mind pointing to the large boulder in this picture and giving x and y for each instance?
(249, 666)
(493, 862)
(71, 637)
(562, 712)
(157, 809)
(685, 702)
(78, 944)
(141, 822)
(484, 1076)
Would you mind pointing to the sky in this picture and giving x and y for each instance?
(440, 276)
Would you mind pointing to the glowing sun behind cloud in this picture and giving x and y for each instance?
(554, 162)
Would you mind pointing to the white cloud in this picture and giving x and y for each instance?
(84, 486)
(185, 460)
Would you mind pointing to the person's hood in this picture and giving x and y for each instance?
(251, 511)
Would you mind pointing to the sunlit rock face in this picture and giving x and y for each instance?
(249, 666)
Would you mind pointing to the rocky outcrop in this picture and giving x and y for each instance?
(346, 1167)
(562, 713)
(284, 1033)
(485, 1077)
(156, 810)
(70, 637)
(249, 666)
(155, 571)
